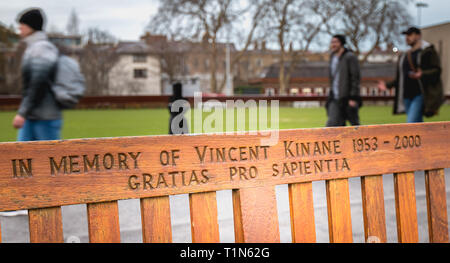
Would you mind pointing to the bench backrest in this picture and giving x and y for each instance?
(43, 176)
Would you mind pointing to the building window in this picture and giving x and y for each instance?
(307, 91)
(140, 73)
(139, 58)
(270, 91)
(294, 91)
(319, 91)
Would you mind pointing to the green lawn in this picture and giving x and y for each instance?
(135, 122)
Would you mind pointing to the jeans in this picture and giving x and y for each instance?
(36, 130)
(414, 109)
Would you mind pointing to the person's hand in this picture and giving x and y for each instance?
(416, 75)
(18, 121)
(352, 103)
(382, 85)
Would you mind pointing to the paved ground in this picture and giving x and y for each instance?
(15, 229)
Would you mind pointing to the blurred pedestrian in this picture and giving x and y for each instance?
(39, 116)
(344, 100)
(418, 84)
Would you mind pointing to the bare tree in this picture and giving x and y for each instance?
(370, 23)
(97, 58)
(73, 25)
(10, 71)
(294, 25)
(255, 13)
(172, 56)
(203, 19)
(10, 61)
(95, 35)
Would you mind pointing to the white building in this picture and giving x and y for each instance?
(137, 72)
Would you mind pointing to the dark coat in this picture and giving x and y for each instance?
(430, 82)
(349, 78)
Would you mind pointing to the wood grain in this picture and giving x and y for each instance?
(45, 225)
(436, 206)
(106, 169)
(255, 215)
(373, 208)
(204, 224)
(155, 217)
(405, 207)
(44, 175)
(339, 214)
(303, 228)
(103, 222)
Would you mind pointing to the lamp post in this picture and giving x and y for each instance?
(419, 6)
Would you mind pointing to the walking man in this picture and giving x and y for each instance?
(39, 116)
(344, 100)
(418, 84)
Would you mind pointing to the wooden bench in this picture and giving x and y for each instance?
(43, 176)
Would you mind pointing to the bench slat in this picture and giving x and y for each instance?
(436, 206)
(373, 208)
(255, 215)
(339, 214)
(103, 222)
(204, 224)
(303, 228)
(405, 207)
(45, 225)
(155, 217)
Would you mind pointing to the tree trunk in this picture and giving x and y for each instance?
(213, 67)
(281, 80)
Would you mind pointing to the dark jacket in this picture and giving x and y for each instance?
(38, 69)
(430, 82)
(349, 78)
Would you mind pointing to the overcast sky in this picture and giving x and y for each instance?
(126, 19)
